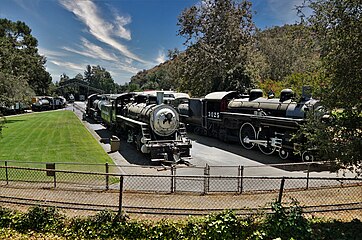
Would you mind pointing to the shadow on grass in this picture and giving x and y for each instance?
(9, 121)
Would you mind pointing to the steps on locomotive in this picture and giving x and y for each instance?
(182, 129)
(146, 133)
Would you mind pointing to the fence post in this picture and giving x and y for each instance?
(281, 190)
(107, 177)
(55, 178)
(120, 195)
(240, 179)
(6, 172)
(172, 178)
(308, 172)
(206, 178)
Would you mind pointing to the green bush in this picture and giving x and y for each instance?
(287, 222)
(282, 223)
(40, 219)
(8, 218)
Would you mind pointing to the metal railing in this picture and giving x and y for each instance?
(169, 193)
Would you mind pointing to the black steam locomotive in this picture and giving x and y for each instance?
(152, 126)
(252, 120)
(93, 105)
(44, 103)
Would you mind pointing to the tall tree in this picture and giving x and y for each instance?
(218, 34)
(19, 56)
(88, 74)
(338, 26)
(100, 78)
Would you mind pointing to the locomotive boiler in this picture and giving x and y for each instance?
(152, 126)
(252, 120)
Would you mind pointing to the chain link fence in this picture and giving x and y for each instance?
(170, 193)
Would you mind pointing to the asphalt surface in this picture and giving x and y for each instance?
(223, 158)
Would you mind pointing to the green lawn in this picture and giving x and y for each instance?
(56, 136)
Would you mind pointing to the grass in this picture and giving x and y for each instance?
(56, 136)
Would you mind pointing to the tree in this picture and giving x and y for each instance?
(88, 74)
(79, 77)
(338, 26)
(13, 89)
(218, 34)
(19, 56)
(2, 121)
(102, 79)
(63, 78)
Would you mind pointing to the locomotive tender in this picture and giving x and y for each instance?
(254, 121)
(152, 126)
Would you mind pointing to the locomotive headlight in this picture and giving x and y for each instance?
(164, 120)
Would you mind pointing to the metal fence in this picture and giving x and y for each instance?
(168, 193)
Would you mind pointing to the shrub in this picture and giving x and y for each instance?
(287, 222)
(40, 220)
(8, 217)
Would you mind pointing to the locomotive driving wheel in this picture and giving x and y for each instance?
(247, 132)
(307, 157)
(283, 153)
(266, 148)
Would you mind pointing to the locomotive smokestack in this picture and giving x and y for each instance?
(159, 97)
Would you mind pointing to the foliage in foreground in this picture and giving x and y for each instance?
(282, 223)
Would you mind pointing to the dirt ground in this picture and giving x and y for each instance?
(338, 203)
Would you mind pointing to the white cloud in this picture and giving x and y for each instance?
(91, 50)
(161, 58)
(50, 53)
(77, 67)
(88, 13)
(128, 68)
(129, 61)
(120, 29)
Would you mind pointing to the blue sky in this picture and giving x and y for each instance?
(123, 36)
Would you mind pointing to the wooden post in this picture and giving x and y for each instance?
(281, 190)
(120, 195)
(55, 178)
(6, 172)
(107, 177)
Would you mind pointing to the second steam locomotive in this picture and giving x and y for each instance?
(252, 120)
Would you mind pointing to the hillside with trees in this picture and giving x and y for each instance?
(222, 56)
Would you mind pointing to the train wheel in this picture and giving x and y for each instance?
(267, 150)
(307, 157)
(247, 132)
(283, 153)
